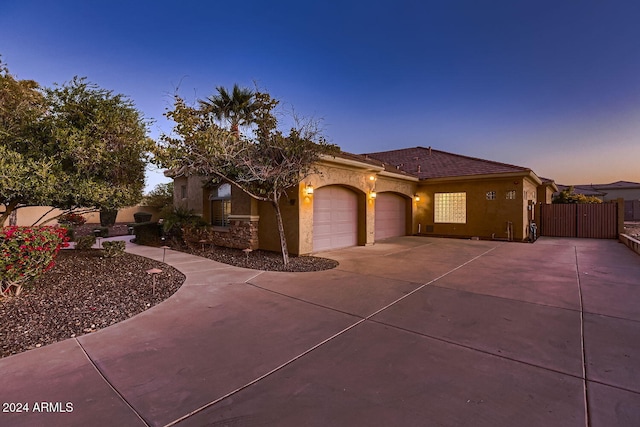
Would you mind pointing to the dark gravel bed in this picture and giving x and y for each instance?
(261, 260)
(83, 293)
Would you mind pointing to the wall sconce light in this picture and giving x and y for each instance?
(372, 178)
(372, 194)
(416, 197)
(308, 190)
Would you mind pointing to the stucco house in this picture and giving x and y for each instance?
(361, 199)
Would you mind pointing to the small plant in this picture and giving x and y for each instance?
(113, 249)
(85, 243)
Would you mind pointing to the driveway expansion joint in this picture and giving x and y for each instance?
(111, 386)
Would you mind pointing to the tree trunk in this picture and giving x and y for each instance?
(283, 239)
(8, 210)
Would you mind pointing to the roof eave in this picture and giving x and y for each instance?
(523, 174)
(326, 158)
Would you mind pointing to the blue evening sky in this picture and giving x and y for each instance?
(550, 85)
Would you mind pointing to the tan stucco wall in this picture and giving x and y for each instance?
(125, 214)
(194, 190)
(529, 202)
(28, 215)
(485, 218)
(268, 230)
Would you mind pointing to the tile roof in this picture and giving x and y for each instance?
(429, 163)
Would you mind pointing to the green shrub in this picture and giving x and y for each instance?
(85, 243)
(180, 220)
(147, 233)
(140, 217)
(101, 231)
(26, 253)
(569, 195)
(113, 248)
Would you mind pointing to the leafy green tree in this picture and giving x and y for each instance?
(161, 198)
(76, 147)
(264, 165)
(236, 107)
(569, 195)
(24, 174)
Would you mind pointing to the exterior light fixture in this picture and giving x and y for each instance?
(416, 197)
(372, 194)
(153, 273)
(308, 190)
(164, 250)
(372, 178)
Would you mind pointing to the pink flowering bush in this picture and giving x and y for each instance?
(26, 253)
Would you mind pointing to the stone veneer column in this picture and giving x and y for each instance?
(243, 232)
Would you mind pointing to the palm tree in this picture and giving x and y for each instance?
(237, 108)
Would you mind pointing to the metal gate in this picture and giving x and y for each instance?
(588, 220)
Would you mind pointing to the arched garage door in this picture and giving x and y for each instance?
(391, 216)
(335, 218)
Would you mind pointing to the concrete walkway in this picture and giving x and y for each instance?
(409, 332)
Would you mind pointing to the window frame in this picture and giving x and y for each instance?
(450, 208)
(220, 206)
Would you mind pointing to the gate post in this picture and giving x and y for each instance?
(620, 203)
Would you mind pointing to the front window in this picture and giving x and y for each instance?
(450, 208)
(220, 205)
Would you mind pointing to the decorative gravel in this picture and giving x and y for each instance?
(261, 260)
(632, 229)
(83, 293)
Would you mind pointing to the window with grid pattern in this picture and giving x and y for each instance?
(221, 205)
(450, 208)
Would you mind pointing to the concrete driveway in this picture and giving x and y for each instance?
(409, 332)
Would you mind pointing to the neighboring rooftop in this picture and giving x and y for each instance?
(615, 185)
(429, 163)
(600, 189)
(587, 190)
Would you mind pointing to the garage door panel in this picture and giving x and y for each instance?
(335, 218)
(391, 216)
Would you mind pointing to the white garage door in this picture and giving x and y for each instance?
(335, 218)
(391, 216)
